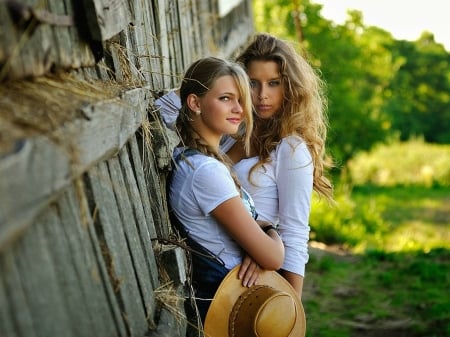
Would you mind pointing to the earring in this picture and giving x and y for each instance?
(198, 112)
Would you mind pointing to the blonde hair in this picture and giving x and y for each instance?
(199, 79)
(303, 108)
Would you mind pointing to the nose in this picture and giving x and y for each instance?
(237, 108)
(262, 94)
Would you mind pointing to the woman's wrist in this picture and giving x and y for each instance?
(269, 227)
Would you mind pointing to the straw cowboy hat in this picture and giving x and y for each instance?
(272, 308)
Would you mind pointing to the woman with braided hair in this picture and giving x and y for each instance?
(215, 213)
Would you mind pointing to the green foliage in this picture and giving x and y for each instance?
(347, 222)
(384, 218)
(402, 163)
(418, 96)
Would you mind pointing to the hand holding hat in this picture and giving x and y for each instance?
(270, 309)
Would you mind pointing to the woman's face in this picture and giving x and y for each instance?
(267, 87)
(221, 110)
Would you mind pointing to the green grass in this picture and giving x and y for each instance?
(385, 269)
(415, 217)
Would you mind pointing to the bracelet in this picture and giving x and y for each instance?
(268, 228)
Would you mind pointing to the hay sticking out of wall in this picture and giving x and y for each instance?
(168, 297)
(41, 105)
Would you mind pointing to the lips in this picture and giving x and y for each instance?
(234, 120)
(263, 107)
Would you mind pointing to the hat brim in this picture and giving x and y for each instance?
(216, 321)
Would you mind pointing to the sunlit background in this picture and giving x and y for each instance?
(403, 18)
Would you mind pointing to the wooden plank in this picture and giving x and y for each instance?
(142, 30)
(131, 181)
(106, 18)
(18, 300)
(140, 177)
(96, 294)
(173, 31)
(163, 38)
(132, 235)
(103, 71)
(205, 27)
(41, 288)
(238, 37)
(145, 35)
(8, 45)
(71, 294)
(120, 69)
(67, 297)
(131, 53)
(135, 33)
(116, 251)
(152, 43)
(33, 180)
(155, 188)
(61, 37)
(80, 54)
(187, 34)
(6, 313)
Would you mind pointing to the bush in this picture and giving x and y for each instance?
(356, 226)
(409, 163)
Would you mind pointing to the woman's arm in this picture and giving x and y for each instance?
(295, 280)
(266, 250)
(294, 178)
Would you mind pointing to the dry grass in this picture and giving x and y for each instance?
(41, 105)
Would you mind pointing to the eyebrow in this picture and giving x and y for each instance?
(270, 79)
(227, 93)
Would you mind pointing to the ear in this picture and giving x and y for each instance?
(193, 102)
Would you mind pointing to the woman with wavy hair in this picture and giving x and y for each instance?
(287, 147)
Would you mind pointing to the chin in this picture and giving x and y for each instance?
(264, 115)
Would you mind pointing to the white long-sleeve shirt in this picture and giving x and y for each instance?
(281, 191)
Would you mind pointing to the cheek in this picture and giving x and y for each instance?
(254, 94)
(280, 96)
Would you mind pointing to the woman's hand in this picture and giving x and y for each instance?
(249, 271)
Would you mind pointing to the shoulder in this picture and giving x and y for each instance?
(292, 143)
(200, 163)
(293, 147)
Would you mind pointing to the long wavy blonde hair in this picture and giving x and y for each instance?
(303, 109)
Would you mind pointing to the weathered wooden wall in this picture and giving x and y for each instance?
(84, 236)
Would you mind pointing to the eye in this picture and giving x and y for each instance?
(224, 98)
(274, 83)
(253, 83)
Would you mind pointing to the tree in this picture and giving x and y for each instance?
(419, 102)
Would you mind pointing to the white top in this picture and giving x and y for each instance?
(169, 106)
(197, 190)
(282, 190)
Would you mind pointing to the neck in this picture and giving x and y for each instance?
(206, 137)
